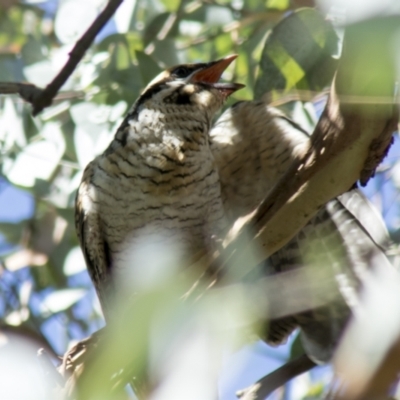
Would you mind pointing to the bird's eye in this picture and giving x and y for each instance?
(181, 72)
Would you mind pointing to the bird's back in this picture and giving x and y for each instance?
(254, 145)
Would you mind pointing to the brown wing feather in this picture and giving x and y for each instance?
(253, 146)
(92, 241)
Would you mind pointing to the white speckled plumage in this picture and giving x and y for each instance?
(157, 178)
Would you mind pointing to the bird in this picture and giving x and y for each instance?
(254, 144)
(157, 180)
(171, 173)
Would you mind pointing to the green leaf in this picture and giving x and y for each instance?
(165, 52)
(153, 28)
(12, 231)
(32, 51)
(277, 4)
(297, 348)
(147, 66)
(11, 68)
(295, 50)
(171, 5)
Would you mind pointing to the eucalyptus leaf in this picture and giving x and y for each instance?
(32, 51)
(11, 68)
(165, 52)
(153, 28)
(296, 350)
(38, 159)
(60, 300)
(218, 15)
(13, 231)
(70, 24)
(11, 128)
(40, 73)
(148, 67)
(124, 14)
(294, 49)
(74, 262)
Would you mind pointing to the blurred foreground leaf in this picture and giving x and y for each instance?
(298, 53)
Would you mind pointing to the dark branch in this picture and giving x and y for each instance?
(27, 91)
(41, 98)
(269, 383)
(46, 96)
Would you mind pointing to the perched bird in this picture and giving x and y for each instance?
(157, 179)
(168, 174)
(253, 145)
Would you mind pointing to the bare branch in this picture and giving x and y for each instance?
(46, 96)
(41, 98)
(269, 383)
(27, 91)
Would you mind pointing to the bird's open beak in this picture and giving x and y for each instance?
(212, 72)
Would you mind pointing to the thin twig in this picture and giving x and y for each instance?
(44, 98)
(27, 91)
(269, 383)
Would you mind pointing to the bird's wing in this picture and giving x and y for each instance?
(253, 146)
(90, 234)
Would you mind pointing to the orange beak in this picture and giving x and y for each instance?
(212, 72)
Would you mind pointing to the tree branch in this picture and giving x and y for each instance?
(42, 98)
(349, 142)
(46, 96)
(269, 383)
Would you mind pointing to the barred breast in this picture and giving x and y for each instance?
(158, 180)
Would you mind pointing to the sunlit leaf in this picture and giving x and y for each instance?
(70, 24)
(40, 73)
(190, 28)
(17, 317)
(117, 111)
(38, 159)
(171, 5)
(123, 15)
(92, 133)
(218, 15)
(74, 262)
(295, 48)
(11, 128)
(60, 300)
(25, 258)
(277, 4)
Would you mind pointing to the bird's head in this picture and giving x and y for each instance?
(193, 85)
